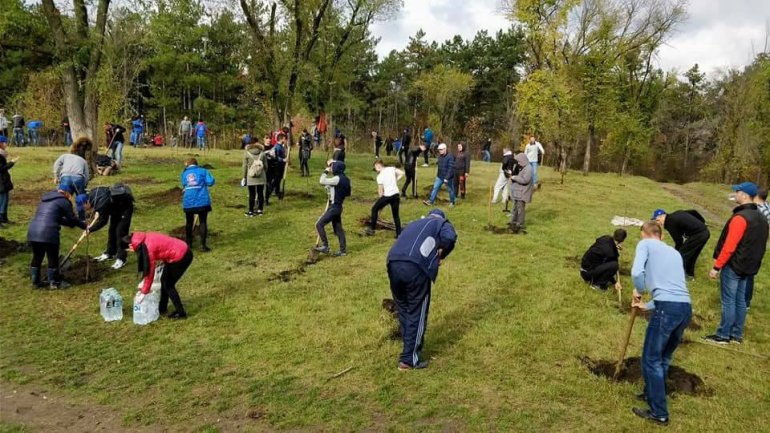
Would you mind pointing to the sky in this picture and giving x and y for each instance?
(717, 33)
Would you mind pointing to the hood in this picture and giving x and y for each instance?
(51, 196)
(338, 167)
(99, 197)
(437, 212)
(255, 149)
(522, 159)
(137, 239)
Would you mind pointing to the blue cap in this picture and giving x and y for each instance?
(3, 139)
(657, 213)
(749, 188)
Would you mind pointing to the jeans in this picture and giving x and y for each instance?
(534, 172)
(201, 143)
(256, 195)
(18, 136)
(117, 152)
(79, 182)
(667, 324)
(4, 204)
(486, 156)
(733, 288)
(136, 138)
(68, 138)
(333, 215)
(437, 186)
(410, 287)
(749, 283)
(33, 137)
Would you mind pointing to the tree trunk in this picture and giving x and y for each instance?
(589, 146)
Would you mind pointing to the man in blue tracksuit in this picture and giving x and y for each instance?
(658, 269)
(413, 263)
(444, 174)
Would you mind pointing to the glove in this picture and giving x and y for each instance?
(243, 182)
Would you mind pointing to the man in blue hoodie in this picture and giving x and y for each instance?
(337, 187)
(413, 263)
(196, 182)
(444, 174)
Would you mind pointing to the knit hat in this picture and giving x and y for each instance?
(657, 213)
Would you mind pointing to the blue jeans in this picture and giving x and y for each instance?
(33, 137)
(79, 182)
(486, 156)
(534, 172)
(437, 186)
(4, 203)
(749, 291)
(18, 136)
(667, 324)
(733, 304)
(68, 138)
(117, 152)
(201, 143)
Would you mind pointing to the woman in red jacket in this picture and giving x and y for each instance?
(176, 256)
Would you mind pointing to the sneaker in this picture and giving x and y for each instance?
(425, 165)
(177, 315)
(368, 231)
(322, 249)
(451, 205)
(340, 254)
(646, 414)
(259, 213)
(103, 257)
(427, 203)
(118, 264)
(403, 366)
(736, 340)
(716, 339)
(249, 214)
(598, 288)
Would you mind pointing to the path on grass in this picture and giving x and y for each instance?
(713, 213)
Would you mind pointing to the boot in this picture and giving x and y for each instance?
(35, 274)
(4, 218)
(54, 280)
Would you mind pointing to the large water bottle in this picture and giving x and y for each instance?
(111, 305)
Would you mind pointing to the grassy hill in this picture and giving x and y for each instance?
(511, 323)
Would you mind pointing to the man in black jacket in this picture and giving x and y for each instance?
(116, 205)
(410, 169)
(600, 263)
(689, 232)
(406, 140)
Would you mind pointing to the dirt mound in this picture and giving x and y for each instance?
(164, 161)
(679, 380)
(381, 223)
(10, 247)
(170, 196)
(497, 230)
(82, 271)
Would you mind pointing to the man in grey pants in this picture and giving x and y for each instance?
(521, 192)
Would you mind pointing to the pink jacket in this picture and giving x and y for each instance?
(160, 247)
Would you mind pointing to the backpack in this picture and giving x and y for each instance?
(257, 167)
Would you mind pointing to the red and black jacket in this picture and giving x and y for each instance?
(743, 241)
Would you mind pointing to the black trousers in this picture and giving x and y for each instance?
(203, 217)
(410, 179)
(256, 193)
(690, 250)
(172, 272)
(303, 163)
(403, 154)
(120, 223)
(43, 249)
(602, 275)
(410, 287)
(332, 215)
(425, 154)
(381, 202)
(274, 178)
(459, 183)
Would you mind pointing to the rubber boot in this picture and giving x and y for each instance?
(54, 280)
(35, 274)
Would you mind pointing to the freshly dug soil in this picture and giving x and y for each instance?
(381, 223)
(679, 380)
(10, 247)
(230, 206)
(29, 197)
(288, 274)
(76, 274)
(298, 194)
(171, 196)
(208, 167)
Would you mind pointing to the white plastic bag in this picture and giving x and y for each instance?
(111, 305)
(146, 311)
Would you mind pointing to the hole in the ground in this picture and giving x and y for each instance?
(10, 247)
(679, 380)
(170, 196)
(81, 271)
(288, 274)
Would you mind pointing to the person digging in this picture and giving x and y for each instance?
(658, 269)
(116, 205)
(387, 190)
(337, 188)
(688, 230)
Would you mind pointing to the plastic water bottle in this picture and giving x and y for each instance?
(111, 305)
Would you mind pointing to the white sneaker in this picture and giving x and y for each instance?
(102, 258)
(425, 165)
(118, 264)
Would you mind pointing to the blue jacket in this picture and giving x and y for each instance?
(137, 125)
(53, 212)
(196, 182)
(420, 241)
(446, 167)
(428, 136)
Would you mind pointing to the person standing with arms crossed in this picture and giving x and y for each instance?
(658, 269)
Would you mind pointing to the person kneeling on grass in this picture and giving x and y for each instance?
(658, 269)
(337, 187)
(413, 263)
(54, 211)
(387, 189)
(600, 263)
(176, 256)
(116, 205)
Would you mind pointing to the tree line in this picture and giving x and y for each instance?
(579, 74)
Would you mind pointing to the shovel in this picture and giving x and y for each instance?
(624, 344)
(64, 261)
(312, 255)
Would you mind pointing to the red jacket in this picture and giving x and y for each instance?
(161, 248)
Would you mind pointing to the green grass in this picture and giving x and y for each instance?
(509, 317)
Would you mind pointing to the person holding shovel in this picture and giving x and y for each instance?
(413, 263)
(387, 190)
(337, 187)
(176, 257)
(196, 201)
(116, 205)
(599, 265)
(43, 234)
(658, 269)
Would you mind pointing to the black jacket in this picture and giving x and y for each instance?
(747, 258)
(5, 176)
(411, 159)
(462, 163)
(508, 163)
(110, 205)
(53, 212)
(684, 223)
(117, 134)
(406, 140)
(602, 251)
(339, 154)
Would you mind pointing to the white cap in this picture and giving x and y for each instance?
(442, 146)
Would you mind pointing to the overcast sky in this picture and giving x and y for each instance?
(717, 33)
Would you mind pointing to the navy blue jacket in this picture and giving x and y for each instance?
(53, 212)
(446, 167)
(420, 241)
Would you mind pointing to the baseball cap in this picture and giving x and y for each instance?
(749, 188)
(3, 139)
(442, 146)
(657, 213)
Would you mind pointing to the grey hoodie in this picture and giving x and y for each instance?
(71, 165)
(522, 182)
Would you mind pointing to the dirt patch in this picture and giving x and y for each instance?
(28, 197)
(10, 247)
(679, 380)
(170, 196)
(381, 223)
(572, 260)
(288, 274)
(164, 161)
(390, 306)
(179, 232)
(497, 230)
(76, 272)
(299, 194)
(232, 206)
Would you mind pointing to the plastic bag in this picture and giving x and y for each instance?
(146, 311)
(111, 305)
